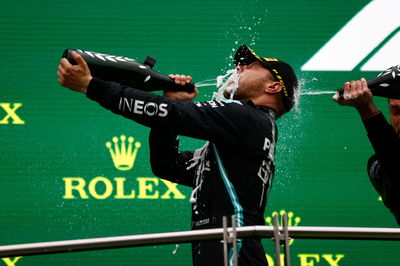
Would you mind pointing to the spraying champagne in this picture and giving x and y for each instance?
(386, 84)
(127, 71)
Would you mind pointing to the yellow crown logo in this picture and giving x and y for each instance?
(123, 155)
(291, 221)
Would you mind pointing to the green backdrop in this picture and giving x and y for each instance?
(58, 180)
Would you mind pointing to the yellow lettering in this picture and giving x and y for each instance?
(271, 260)
(309, 259)
(121, 189)
(11, 113)
(144, 187)
(103, 188)
(11, 262)
(304, 259)
(172, 189)
(107, 183)
(69, 187)
(329, 258)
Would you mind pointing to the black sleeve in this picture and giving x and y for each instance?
(386, 185)
(385, 142)
(166, 160)
(213, 120)
(383, 166)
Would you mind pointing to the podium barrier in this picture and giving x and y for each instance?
(280, 234)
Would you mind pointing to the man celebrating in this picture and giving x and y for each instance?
(232, 173)
(383, 165)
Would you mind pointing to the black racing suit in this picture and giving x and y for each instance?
(230, 175)
(384, 165)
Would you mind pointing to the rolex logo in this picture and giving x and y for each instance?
(123, 154)
(292, 221)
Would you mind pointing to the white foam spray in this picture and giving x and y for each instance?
(317, 92)
(176, 249)
(227, 83)
(304, 90)
(206, 83)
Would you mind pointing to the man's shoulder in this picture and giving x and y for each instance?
(235, 108)
(372, 159)
(216, 103)
(372, 165)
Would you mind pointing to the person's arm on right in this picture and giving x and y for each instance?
(383, 169)
(358, 95)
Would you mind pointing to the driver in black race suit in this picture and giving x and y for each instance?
(383, 166)
(232, 173)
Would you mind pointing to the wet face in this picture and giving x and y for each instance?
(394, 108)
(252, 81)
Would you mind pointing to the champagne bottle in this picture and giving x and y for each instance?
(127, 71)
(386, 84)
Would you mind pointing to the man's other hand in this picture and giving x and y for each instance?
(181, 95)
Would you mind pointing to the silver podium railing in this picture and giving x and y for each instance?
(280, 234)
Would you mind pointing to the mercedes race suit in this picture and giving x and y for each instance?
(230, 175)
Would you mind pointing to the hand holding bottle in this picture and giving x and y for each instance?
(358, 95)
(181, 80)
(386, 84)
(74, 77)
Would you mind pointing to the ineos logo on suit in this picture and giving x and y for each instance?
(139, 107)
